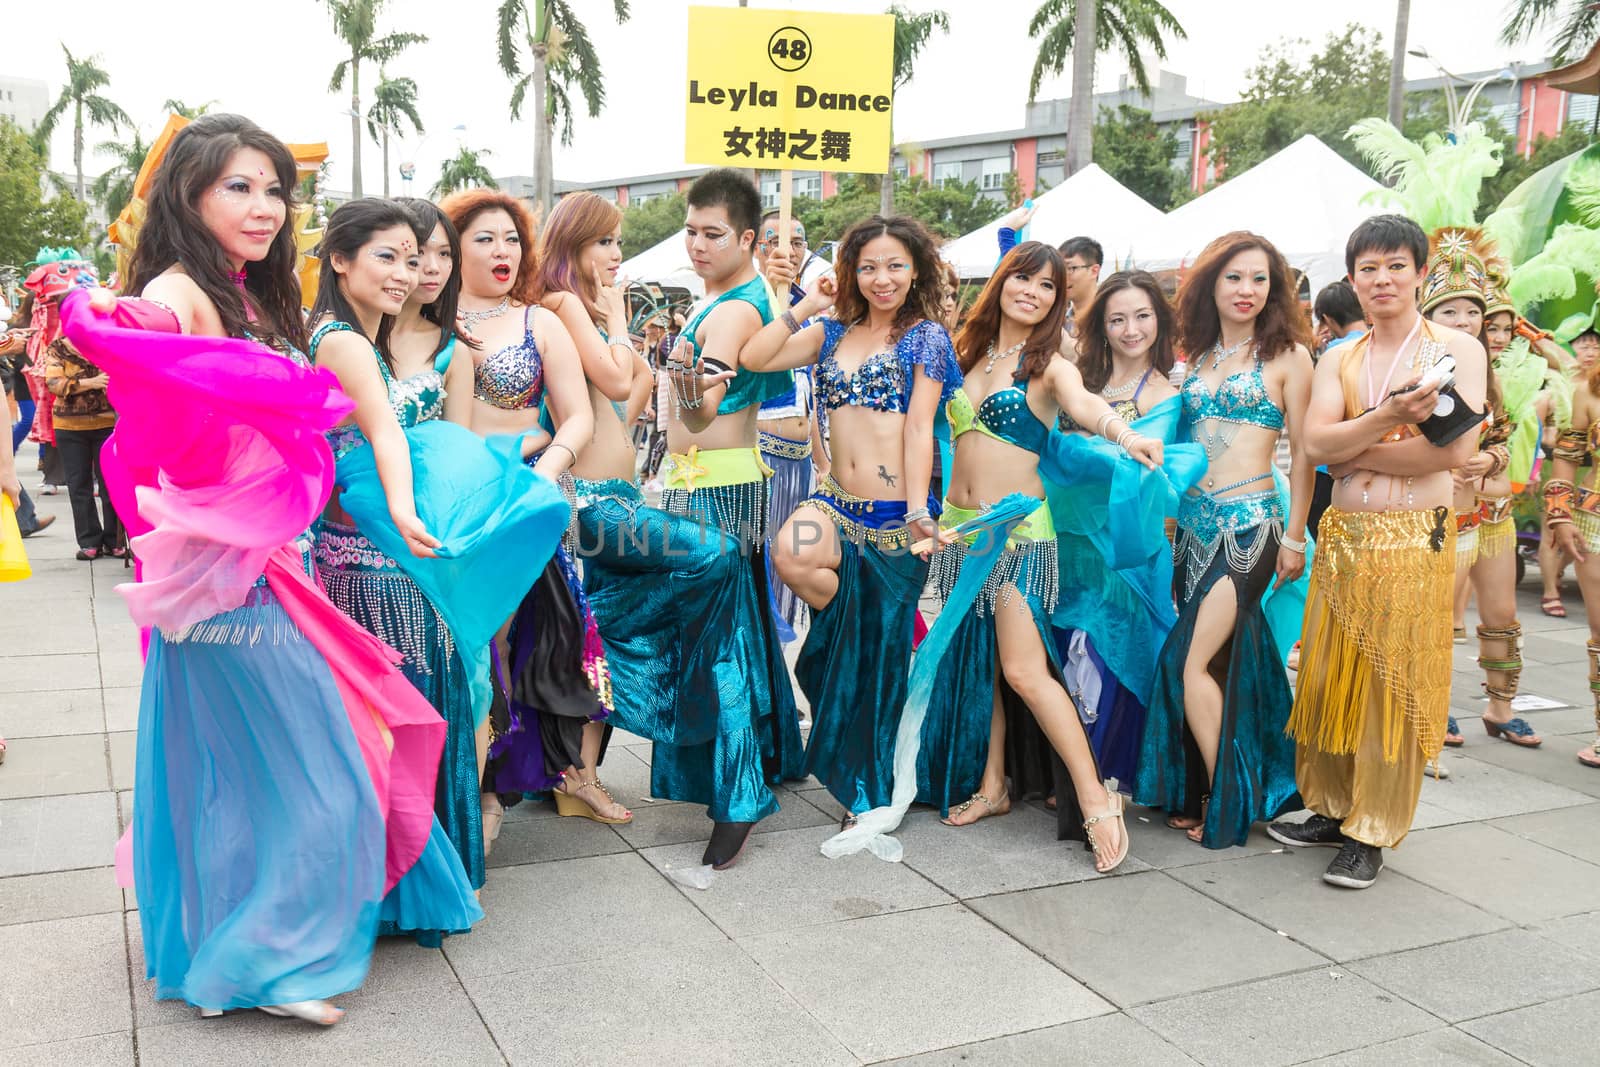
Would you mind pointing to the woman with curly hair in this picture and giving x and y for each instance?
(1221, 696)
(884, 365)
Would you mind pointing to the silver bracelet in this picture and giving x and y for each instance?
(1292, 545)
(917, 515)
(1130, 434)
(1102, 422)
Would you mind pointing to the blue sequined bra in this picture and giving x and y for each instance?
(1003, 415)
(413, 400)
(1242, 398)
(885, 380)
(512, 378)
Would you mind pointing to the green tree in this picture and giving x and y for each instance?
(561, 56)
(1578, 23)
(80, 93)
(911, 33)
(114, 188)
(394, 104)
(647, 225)
(355, 22)
(188, 111)
(1574, 137)
(464, 170)
(1138, 153)
(27, 219)
(1288, 95)
(1080, 31)
(954, 209)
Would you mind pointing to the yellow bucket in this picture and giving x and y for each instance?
(13, 560)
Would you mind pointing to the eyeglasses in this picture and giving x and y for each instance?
(1073, 268)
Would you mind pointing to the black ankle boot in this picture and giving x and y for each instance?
(727, 841)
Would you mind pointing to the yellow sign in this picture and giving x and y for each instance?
(789, 90)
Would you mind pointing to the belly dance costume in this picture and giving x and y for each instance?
(1111, 622)
(440, 614)
(955, 733)
(278, 745)
(855, 663)
(1235, 537)
(559, 679)
(791, 482)
(1579, 504)
(726, 489)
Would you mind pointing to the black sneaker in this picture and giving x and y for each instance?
(1355, 867)
(1317, 830)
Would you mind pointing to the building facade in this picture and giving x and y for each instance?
(24, 101)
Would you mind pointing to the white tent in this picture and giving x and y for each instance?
(1091, 203)
(1305, 200)
(665, 263)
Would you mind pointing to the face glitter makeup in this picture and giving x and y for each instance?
(722, 240)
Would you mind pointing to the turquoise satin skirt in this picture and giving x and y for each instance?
(676, 608)
(855, 669)
(1254, 778)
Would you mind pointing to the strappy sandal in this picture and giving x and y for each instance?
(992, 807)
(1589, 755)
(319, 1012)
(1553, 607)
(492, 818)
(1516, 730)
(1452, 733)
(569, 803)
(1113, 812)
(1197, 832)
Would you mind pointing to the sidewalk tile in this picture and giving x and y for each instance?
(541, 840)
(1163, 848)
(30, 898)
(102, 1050)
(1498, 871)
(573, 912)
(705, 1004)
(432, 1026)
(1554, 762)
(61, 979)
(1284, 1020)
(885, 985)
(999, 854)
(670, 823)
(32, 674)
(122, 707)
(1105, 1041)
(57, 833)
(123, 747)
(51, 766)
(1480, 976)
(66, 625)
(1422, 1050)
(1285, 891)
(52, 714)
(1557, 1033)
(783, 882)
(1102, 933)
(1482, 790)
(1569, 830)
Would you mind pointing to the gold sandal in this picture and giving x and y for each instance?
(993, 806)
(569, 803)
(1113, 812)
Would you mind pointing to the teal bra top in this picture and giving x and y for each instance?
(1004, 415)
(414, 400)
(1242, 398)
(747, 387)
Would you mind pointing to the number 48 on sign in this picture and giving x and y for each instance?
(785, 89)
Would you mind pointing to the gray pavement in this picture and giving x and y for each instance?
(992, 944)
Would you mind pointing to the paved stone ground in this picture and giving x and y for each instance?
(989, 945)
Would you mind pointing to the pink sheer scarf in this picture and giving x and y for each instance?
(217, 464)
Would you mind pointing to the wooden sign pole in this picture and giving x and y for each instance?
(785, 206)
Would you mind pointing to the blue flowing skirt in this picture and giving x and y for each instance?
(381, 598)
(672, 599)
(258, 843)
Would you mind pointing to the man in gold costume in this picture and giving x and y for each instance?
(1374, 685)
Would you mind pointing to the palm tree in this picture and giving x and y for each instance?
(1070, 28)
(1397, 66)
(394, 103)
(83, 78)
(464, 171)
(1579, 24)
(356, 23)
(114, 188)
(562, 56)
(911, 32)
(178, 107)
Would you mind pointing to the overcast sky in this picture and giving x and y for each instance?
(272, 62)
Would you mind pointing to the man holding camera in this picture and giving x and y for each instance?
(1390, 415)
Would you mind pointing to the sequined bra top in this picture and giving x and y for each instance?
(1241, 398)
(1126, 410)
(884, 381)
(413, 400)
(1003, 415)
(512, 378)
